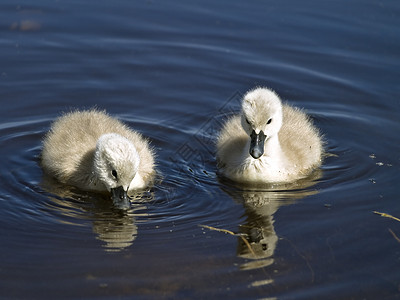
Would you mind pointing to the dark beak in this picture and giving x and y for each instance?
(120, 198)
(257, 144)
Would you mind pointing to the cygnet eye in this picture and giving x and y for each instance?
(269, 121)
(115, 174)
(247, 121)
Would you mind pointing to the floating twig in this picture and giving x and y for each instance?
(394, 235)
(231, 233)
(218, 229)
(303, 257)
(386, 215)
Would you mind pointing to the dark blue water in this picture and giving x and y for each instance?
(175, 71)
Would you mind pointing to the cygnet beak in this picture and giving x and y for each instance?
(257, 144)
(120, 198)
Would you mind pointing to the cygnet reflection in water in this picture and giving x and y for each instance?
(260, 207)
(115, 227)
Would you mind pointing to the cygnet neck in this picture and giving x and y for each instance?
(272, 147)
(273, 154)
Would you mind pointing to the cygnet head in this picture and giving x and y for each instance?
(116, 163)
(261, 118)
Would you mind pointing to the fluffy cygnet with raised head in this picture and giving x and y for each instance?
(95, 152)
(269, 142)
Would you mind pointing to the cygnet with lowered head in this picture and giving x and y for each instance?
(95, 152)
(269, 142)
